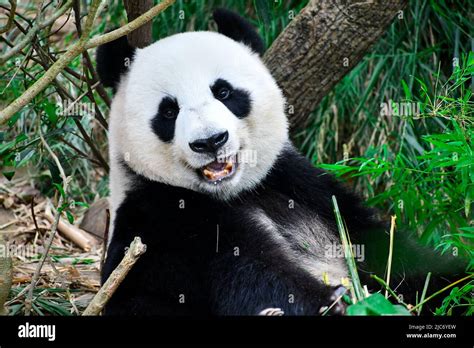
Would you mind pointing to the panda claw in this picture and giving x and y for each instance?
(338, 292)
(273, 312)
(336, 306)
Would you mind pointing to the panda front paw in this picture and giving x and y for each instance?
(336, 305)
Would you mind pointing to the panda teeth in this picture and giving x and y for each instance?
(215, 173)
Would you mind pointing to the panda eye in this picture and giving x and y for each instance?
(223, 93)
(170, 113)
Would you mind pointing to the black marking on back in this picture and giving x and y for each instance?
(113, 60)
(239, 29)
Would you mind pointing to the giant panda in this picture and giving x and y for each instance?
(236, 221)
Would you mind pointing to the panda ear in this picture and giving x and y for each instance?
(239, 29)
(113, 60)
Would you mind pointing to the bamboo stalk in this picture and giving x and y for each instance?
(390, 253)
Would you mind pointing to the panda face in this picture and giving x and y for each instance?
(199, 110)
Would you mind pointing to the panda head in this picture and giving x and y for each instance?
(197, 110)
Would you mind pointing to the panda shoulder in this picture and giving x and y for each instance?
(297, 178)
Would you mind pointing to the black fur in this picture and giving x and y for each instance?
(238, 101)
(239, 29)
(113, 59)
(182, 257)
(411, 261)
(164, 122)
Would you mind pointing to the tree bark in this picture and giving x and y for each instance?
(321, 45)
(142, 36)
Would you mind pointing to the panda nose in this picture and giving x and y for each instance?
(211, 144)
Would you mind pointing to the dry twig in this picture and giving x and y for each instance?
(136, 249)
(34, 280)
(28, 38)
(11, 16)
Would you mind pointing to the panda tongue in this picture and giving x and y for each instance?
(216, 166)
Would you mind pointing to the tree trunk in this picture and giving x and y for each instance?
(321, 45)
(142, 36)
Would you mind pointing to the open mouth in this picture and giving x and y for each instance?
(220, 169)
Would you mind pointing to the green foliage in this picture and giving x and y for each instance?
(431, 190)
(357, 289)
(458, 298)
(416, 165)
(270, 17)
(46, 301)
(376, 304)
(410, 129)
(424, 43)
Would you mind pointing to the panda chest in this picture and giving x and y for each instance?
(181, 226)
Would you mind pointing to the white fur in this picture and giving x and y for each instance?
(313, 235)
(184, 66)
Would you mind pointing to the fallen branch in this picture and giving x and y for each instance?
(136, 249)
(79, 237)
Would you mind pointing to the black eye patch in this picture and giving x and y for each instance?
(235, 99)
(163, 123)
